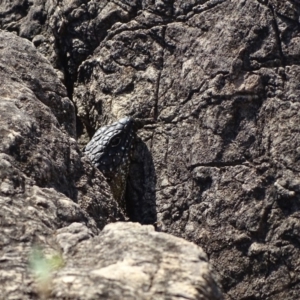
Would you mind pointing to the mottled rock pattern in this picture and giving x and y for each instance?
(52, 199)
(44, 181)
(29, 218)
(220, 80)
(131, 261)
(38, 130)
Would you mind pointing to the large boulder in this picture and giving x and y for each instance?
(130, 261)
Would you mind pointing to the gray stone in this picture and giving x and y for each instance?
(53, 201)
(219, 163)
(219, 79)
(44, 182)
(38, 129)
(130, 261)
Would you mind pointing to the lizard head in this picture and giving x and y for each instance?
(110, 150)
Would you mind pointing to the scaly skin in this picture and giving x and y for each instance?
(110, 150)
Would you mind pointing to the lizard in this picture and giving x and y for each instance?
(111, 150)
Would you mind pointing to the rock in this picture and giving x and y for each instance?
(29, 217)
(53, 200)
(219, 162)
(219, 82)
(131, 261)
(37, 122)
(45, 184)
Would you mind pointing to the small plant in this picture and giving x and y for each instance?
(42, 267)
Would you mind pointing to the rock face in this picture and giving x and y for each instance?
(218, 164)
(131, 261)
(52, 199)
(37, 124)
(44, 182)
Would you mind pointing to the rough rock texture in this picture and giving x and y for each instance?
(37, 123)
(44, 182)
(52, 199)
(219, 165)
(131, 261)
(219, 79)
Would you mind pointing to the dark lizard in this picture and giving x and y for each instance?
(110, 150)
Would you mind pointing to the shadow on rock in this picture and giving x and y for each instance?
(140, 192)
